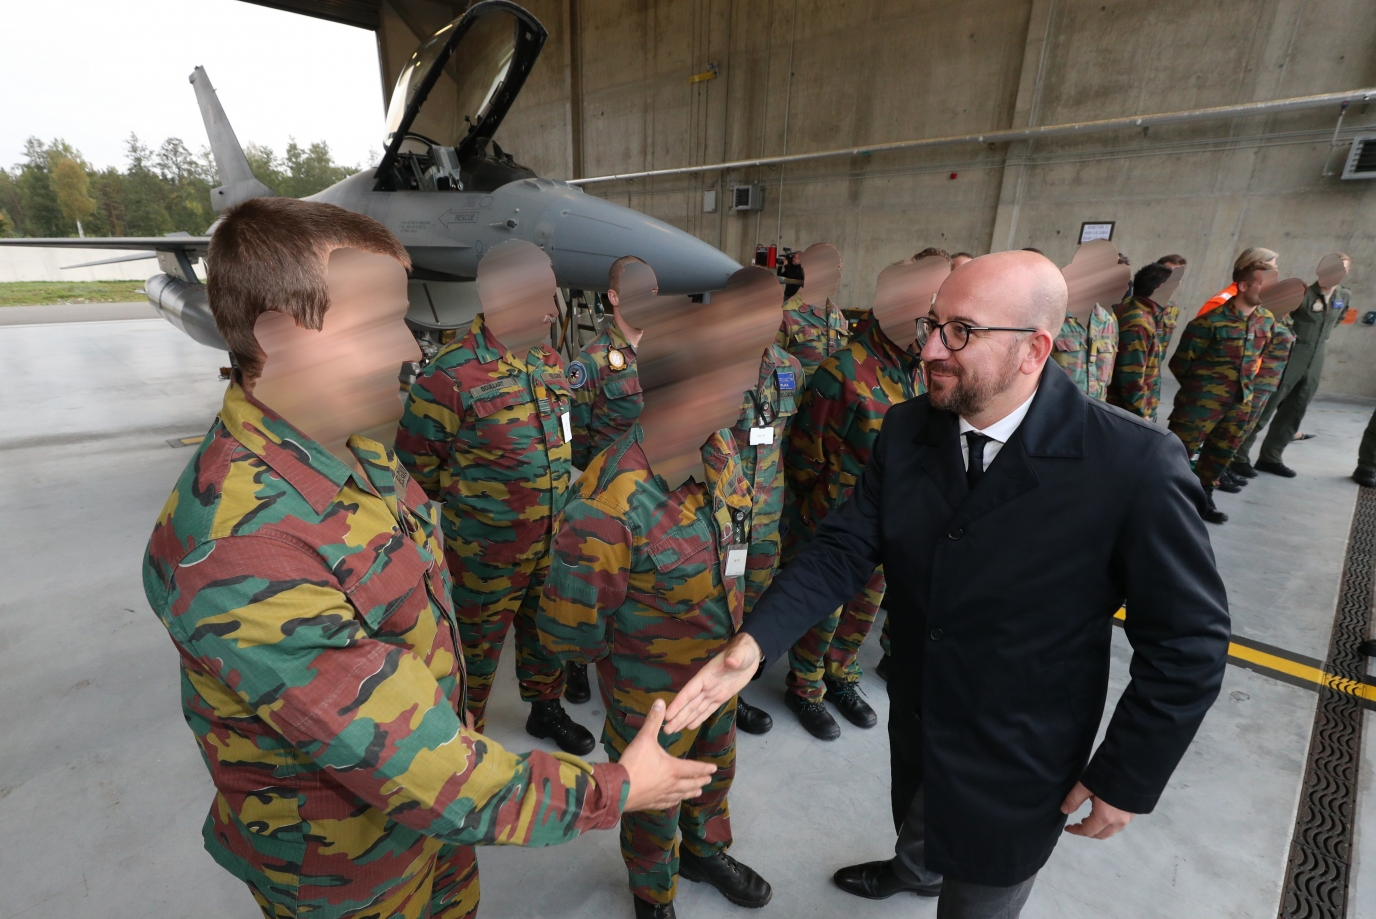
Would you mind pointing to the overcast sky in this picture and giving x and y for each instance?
(92, 71)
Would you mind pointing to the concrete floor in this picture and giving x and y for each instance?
(102, 791)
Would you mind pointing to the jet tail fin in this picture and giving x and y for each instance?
(240, 184)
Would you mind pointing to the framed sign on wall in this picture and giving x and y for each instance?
(1096, 230)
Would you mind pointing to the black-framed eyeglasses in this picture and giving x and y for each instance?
(954, 333)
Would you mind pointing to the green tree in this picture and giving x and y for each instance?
(301, 173)
(72, 187)
(158, 191)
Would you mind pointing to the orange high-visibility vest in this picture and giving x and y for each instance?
(1218, 299)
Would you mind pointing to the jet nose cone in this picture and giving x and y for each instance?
(584, 235)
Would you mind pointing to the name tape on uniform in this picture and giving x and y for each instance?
(761, 436)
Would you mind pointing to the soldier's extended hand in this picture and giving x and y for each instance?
(658, 780)
(718, 680)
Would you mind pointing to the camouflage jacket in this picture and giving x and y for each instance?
(322, 679)
(1088, 355)
(637, 571)
(812, 333)
(776, 395)
(606, 400)
(1144, 333)
(483, 433)
(1225, 356)
(840, 415)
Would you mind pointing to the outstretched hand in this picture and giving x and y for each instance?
(1104, 819)
(718, 680)
(660, 781)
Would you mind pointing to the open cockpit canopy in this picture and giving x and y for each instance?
(451, 97)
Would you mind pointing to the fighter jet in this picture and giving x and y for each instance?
(444, 187)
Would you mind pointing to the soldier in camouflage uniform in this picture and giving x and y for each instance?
(606, 386)
(487, 433)
(304, 589)
(1087, 354)
(648, 578)
(837, 424)
(1227, 359)
(814, 327)
(1313, 323)
(761, 433)
(1145, 328)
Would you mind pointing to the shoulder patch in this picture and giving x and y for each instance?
(576, 374)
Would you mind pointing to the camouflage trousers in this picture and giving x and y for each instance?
(831, 648)
(448, 889)
(1215, 432)
(650, 839)
(486, 602)
(761, 561)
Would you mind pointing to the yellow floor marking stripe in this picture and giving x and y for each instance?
(192, 441)
(1306, 672)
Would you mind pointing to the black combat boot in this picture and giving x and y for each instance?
(752, 720)
(881, 669)
(813, 716)
(1364, 475)
(644, 909)
(1225, 484)
(1243, 468)
(549, 720)
(845, 695)
(1276, 468)
(736, 882)
(576, 688)
(1210, 513)
(1233, 477)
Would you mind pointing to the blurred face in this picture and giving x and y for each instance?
(903, 293)
(821, 273)
(342, 379)
(1094, 275)
(637, 296)
(516, 288)
(1332, 270)
(1249, 289)
(992, 292)
(695, 362)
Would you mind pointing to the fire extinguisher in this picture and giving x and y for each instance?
(761, 255)
(773, 257)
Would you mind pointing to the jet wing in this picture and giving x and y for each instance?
(148, 243)
(176, 253)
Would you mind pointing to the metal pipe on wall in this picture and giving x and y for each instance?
(1244, 110)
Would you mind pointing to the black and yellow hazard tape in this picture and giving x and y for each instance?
(1289, 667)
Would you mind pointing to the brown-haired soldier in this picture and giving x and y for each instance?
(300, 573)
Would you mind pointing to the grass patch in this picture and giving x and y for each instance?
(33, 293)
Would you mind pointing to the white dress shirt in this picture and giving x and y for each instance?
(998, 433)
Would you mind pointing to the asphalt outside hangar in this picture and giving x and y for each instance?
(696, 135)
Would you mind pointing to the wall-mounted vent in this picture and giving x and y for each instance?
(1361, 159)
(751, 197)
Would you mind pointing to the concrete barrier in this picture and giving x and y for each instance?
(19, 263)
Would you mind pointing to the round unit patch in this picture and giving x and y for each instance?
(615, 359)
(577, 374)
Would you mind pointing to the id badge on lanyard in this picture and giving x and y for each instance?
(737, 551)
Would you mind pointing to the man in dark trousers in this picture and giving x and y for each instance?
(1013, 516)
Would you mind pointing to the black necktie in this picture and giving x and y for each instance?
(974, 470)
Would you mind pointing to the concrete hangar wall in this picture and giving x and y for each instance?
(612, 94)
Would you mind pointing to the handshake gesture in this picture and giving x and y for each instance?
(660, 781)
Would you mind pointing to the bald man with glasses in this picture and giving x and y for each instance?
(1014, 516)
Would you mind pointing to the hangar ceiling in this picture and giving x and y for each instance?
(401, 25)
